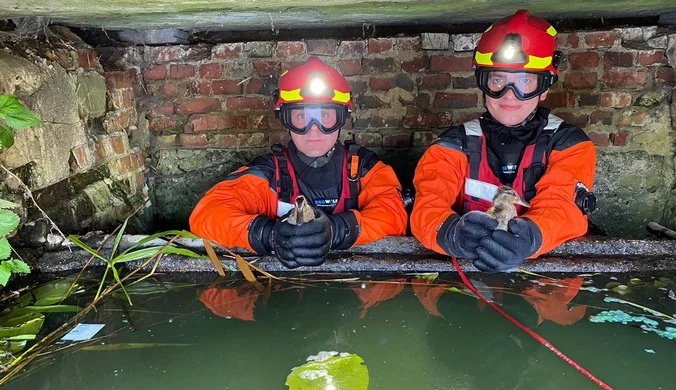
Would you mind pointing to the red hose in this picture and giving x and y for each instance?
(530, 332)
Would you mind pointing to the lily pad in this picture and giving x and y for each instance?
(330, 370)
(662, 282)
(636, 282)
(621, 289)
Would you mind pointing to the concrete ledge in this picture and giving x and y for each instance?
(392, 254)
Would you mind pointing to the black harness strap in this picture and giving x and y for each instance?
(285, 182)
(353, 174)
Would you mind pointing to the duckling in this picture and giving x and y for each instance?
(503, 205)
(302, 213)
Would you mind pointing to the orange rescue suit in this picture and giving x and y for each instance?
(226, 211)
(440, 182)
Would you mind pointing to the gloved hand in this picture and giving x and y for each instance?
(306, 244)
(345, 230)
(460, 236)
(504, 250)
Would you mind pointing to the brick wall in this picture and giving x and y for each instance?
(213, 102)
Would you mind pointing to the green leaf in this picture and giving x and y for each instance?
(29, 327)
(5, 250)
(48, 294)
(86, 247)
(18, 266)
(180, 233)
(54, 309)
(339, 372)
(6, 137)
(119, 237)
(5, 272)
(5, 204)
(22, 119)
(8, 222)
(9, 104)
(137, 254)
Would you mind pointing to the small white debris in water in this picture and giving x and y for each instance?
(148, 330)
(649, 350)
(171, 320)
(293, 328)
(125, 321)
(363, 285)
(228, 318)
(613, 278)
(321, 356)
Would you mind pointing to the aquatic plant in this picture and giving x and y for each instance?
(135, 252)
(330, 370)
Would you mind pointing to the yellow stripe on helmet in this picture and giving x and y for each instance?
(551, 31)
(538, 62)
(483, 58)
(290, 96)
(341, 97)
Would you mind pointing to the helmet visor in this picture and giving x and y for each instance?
(525, 85)
(300, 118)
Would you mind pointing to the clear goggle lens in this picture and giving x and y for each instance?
(525, 85)
(300, 119)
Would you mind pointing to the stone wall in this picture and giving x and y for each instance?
(78, 164)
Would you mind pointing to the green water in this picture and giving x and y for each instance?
(404, 346)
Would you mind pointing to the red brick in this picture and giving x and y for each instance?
(224, 141)
(124, 98)
(586, 60)
(580, 80)
(239, 122)
(464, 82)
(379, 45)
(600, 39)
(157, 125)
(87, 58)
(618, 58)
(422, 101)
(157, 73)
(267, 68)
(211, 71)
(568, 40)
(181, 71)
(209, 122)
(602, 117)
(369, 140)
(251, 140)
(397, 140)
(120, 120)
(380, 122)
(228, 50)
(574, 118)
(439, 81)
(648, 58)
(192, 141)
(621, 138)
(275, 124)
(665, 76)
(174, 90)
(79, 157)
(290, 65)
(164, 108)
(326, 47)
(246, 104)
(289, 49)
(454, 100)
(62, 57)
(350, 67)
(599, 139)
(615, 99)
(226, 87)
(204, 87)
(136, 159)
(415, 65)
(427, 120)
(253, 86)
(198, 106)
(352, 49)
(625, 79)
(468, 116)
(590, 100)
(633, 119)
(280, 137)
(408, 43)
(258, 122)
(381, 84)
(559, 99)
(119, 80)
(450, 64)
(423, 138)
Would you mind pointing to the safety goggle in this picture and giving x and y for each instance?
(525, 85)
(300, 118)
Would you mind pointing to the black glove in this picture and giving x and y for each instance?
(505, 250)
(303, 245)
(260, 235)
(460, 236)
(345, 230)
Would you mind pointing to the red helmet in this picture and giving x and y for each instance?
(314, 82)
(521, 41)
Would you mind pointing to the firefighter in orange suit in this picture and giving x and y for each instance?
(551, 164)
(357, 198)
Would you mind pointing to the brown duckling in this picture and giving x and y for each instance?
(302, 213)
(504, 207)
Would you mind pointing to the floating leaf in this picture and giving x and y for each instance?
(610, 285)
(28, 324)
(8, 222)
(330, 370)
(636, 282)
(125, 346)
(621, 289)
(431, 276)
(663, 282)
(48, 294)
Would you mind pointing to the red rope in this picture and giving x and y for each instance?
(530, 332)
